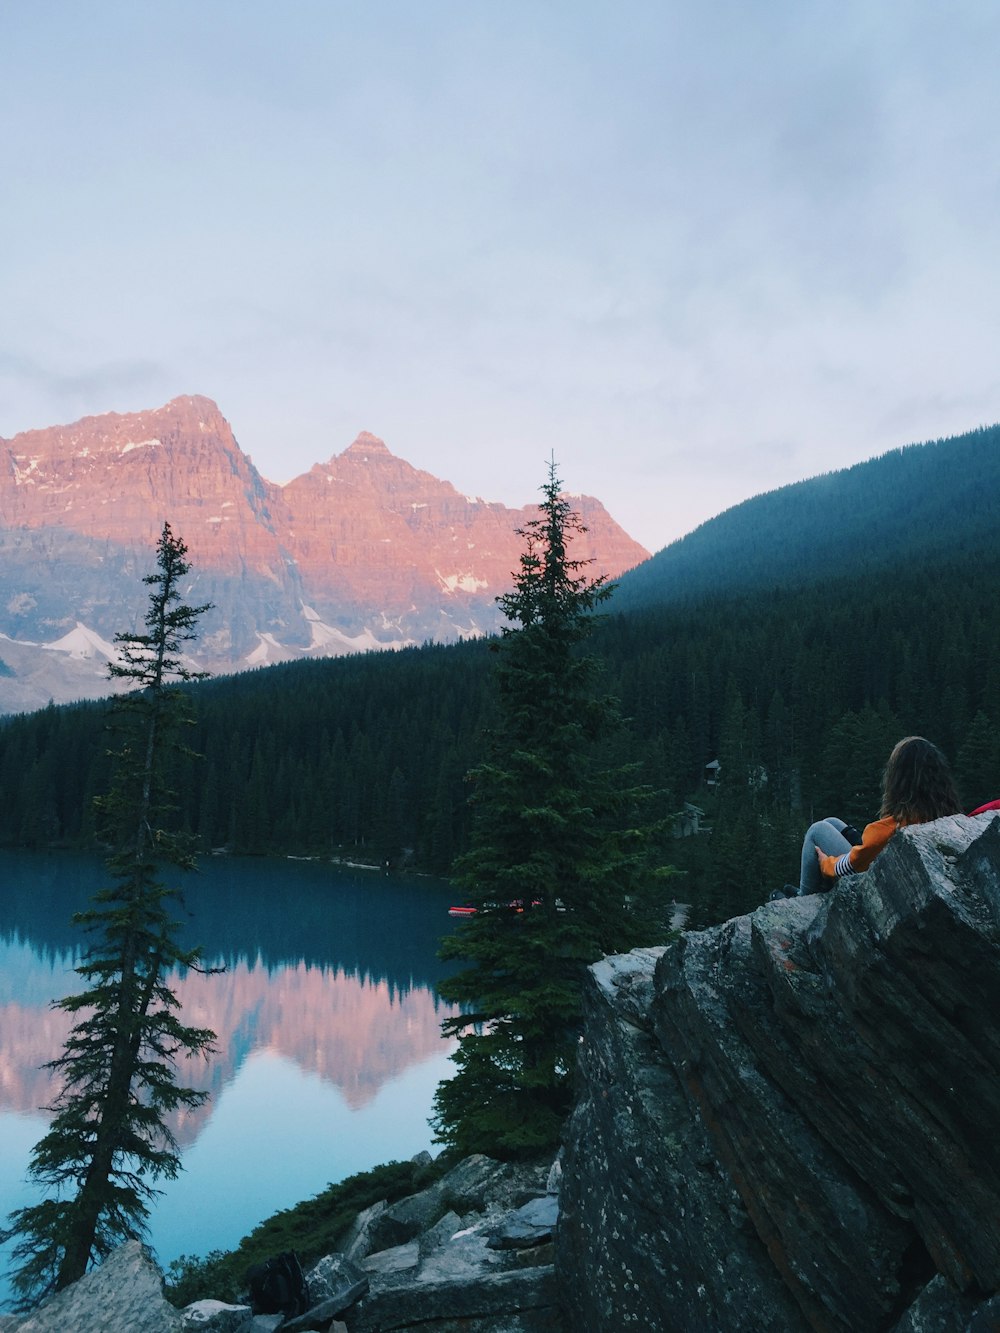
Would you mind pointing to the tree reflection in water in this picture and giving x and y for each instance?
(326, 1007)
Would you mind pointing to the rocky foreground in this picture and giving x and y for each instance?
(474, 1252)
(789, 1121)
(785, 1123)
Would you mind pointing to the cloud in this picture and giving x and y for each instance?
(697, 249)
(30, 391)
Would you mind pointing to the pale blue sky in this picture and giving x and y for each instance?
(697, 249)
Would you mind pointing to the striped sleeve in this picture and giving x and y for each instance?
(857, 859)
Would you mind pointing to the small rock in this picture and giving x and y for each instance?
(554, 1178)
(217, 1317)
(394, 1260)
(358, 1241)
(531, 1224)
(337, 1282)
(440, 1233)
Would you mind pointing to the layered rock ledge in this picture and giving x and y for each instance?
(789, 1121)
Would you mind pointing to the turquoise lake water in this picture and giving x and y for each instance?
(328, 1031)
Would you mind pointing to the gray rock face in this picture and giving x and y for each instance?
(397, 1259)
(449, 1277)
(788, 1122)
(336, 1281)
(440, 1233)
(531, 1224)
(465, 1188)
(357, 1244)
(468, 1301)
(124, 1295)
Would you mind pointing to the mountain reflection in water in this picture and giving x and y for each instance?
(329, 1046)
(332, 969)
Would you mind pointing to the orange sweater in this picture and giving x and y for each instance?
(860, 858)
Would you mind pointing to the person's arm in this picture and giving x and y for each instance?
(859, 858)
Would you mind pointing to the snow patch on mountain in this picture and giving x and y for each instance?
(85, 643)
(325, 638)
(23, 470)
(268, 651)
(461, 582)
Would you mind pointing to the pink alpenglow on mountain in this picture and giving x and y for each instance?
(363, 551)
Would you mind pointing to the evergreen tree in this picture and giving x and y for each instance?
(979, 762)
(108, 1143)
(556, 866)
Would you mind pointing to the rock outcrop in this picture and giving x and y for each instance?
(473, 1251)
(789, 1121)
(363, 551)
(124, 1295)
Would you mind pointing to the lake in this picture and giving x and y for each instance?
(328, 1030)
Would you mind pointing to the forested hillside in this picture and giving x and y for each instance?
(918, 505)
(799, 693)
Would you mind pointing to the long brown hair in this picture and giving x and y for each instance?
(917, 785)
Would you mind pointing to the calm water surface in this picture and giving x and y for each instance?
(328, 1031)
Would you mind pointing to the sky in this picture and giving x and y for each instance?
(694, 250)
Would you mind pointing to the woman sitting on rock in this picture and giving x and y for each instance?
(917, 787)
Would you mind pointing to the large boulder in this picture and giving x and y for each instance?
(788, 1121)
(210, 1316)
(123, 1295)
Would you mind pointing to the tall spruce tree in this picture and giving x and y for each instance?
(109, 1142)
(557, 868)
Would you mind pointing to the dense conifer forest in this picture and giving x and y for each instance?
(916, 505)
(792, 639)
(798, 692)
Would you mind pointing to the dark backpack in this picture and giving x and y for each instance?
(278, 1286)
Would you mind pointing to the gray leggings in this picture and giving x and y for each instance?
(827, 836)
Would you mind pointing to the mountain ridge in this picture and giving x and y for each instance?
(363, 551)
(935, 498)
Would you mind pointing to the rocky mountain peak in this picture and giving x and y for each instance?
(191, 416)
(364, 551)
(366, 443)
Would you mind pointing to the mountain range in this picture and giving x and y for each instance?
(361, 552)
(797, 636)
